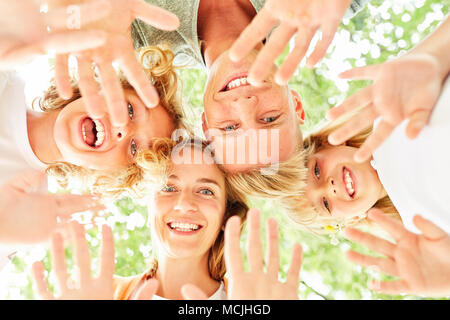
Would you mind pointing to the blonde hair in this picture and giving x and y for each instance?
(306, 215)
(157, 62)
(157, 164)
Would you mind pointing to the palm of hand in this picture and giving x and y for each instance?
(407, 85)
(423, 263)
(258, 286)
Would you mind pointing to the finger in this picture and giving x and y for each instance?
(252, 35)
(191, 292)
(82, 256)
(293, 275)
(355, 125)
(62, 77)
(273, 48)
(78, 15)
(376, 138)
(148, 290)
(107, 253)
(59, 261)
(39, 280)
(428, 228)
(390, 287)
(417, 121)
(273, 255)
(254, 246)
(386, 265)
(67, 204)
(364, 73)
(138, 79)
(113, 93)
(29, 181)
(358, 100)
(394, 227)
(89, 89)
(373, 243)
(287, 69)
(155, 16)
(71, 41)
(233, 256)
(328, 32)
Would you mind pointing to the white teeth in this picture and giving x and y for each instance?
(183, 226)
(100, 133)
(237, 83)
(349, 183)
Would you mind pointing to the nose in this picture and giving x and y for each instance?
(331, 186)
(185, 203)
(120, 133)
(245, 101)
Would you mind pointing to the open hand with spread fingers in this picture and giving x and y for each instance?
(301, 18)
(118, 48)
(24, 30)
(422, 261)
(405, 88)
(28, 215)
(84, 286)
(256, 284)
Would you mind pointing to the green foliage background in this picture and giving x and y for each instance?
(389, 28)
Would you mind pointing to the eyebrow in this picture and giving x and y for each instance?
(202, 180)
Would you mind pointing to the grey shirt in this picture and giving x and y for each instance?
(184, 41)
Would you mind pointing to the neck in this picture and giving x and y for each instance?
(220, 23)
(40, 135)
(172, 274)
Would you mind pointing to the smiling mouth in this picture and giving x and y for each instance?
(235, 83)
(348, 182)
(183, 227)
(93, 132)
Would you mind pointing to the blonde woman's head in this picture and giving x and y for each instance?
(190, 203)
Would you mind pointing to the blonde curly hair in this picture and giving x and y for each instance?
(157, 62)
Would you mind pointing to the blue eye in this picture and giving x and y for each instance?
(270, 119)
(168, 189)
(326, 204)
(206, 192)
(230, 128)
(317, 171)
(133, 148)
(130, 111)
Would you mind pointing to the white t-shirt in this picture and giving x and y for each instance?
(220, 294)
(16, 154)
(416, 173)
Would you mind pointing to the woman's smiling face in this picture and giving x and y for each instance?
(96, 144)
(187, 214)
(338, 187)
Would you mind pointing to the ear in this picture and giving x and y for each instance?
(298, 107)
(204, 125)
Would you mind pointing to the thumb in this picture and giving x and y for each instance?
(191, 292)
(417, 121)
(428, 228)
(147, 291)
(29, 181)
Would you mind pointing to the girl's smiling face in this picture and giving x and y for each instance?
(338, 187)
(97, 144)
(187, 213)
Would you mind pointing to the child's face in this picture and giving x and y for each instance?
(99, 145)
(338, 187)
(186, 215)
